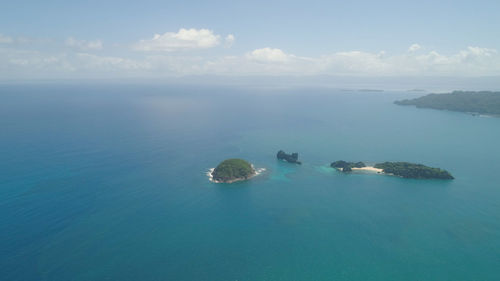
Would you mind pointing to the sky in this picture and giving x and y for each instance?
(154, 39)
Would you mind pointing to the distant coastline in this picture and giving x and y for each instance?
(371, 90)
(474, 103)
(417, 90)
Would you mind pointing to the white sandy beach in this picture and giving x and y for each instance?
(369, 169)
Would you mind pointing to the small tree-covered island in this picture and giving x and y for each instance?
(347, 166)
(401, 169)
(291, 158)
(232, 170)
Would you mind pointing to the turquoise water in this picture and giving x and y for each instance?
(108, 183)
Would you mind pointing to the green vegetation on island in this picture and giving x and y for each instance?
(347, 166)
(232, 170)
(484, 102)
(291, 158)
(402, 169)
(415, 171)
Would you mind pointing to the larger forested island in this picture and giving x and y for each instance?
(232, 170)
(401, 169)
(484, 102)
(414, 171)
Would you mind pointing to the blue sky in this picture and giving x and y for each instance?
(69, 39)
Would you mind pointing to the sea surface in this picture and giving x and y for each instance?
(108, 182)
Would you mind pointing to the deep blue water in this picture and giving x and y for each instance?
(108, 183)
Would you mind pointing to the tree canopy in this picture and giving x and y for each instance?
(233, 169)
(347, 166)
(410, 170)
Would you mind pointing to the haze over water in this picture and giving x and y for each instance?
(108, 183)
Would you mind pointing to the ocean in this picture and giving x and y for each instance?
(108, 182)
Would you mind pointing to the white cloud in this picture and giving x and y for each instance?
(84, 44)
(181, 40)
(269, 55)
(414, 48)
(5, 39)
(477, 52)
(229, 41)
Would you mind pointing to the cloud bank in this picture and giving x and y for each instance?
(168, 55)
(5, 39)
